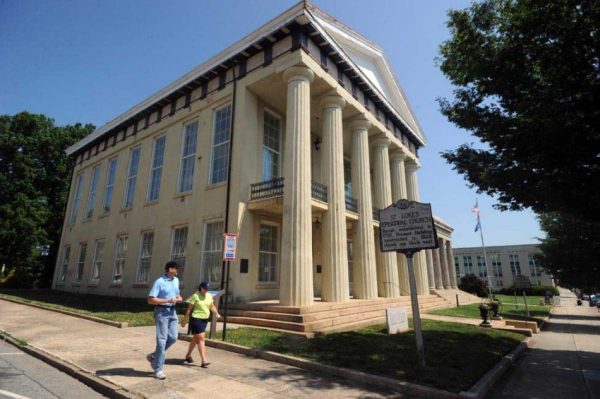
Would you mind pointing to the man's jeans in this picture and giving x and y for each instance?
(166, 333)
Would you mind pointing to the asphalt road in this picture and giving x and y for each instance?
(23, 376)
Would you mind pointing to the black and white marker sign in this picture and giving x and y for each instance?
(407, 226)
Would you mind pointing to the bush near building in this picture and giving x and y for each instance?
(473, 285)
(536, 290)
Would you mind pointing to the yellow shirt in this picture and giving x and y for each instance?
(201, 305)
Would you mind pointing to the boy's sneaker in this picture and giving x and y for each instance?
(159, 375)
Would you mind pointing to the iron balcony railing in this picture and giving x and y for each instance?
(274, 188)
(351, 204)
(376, 214)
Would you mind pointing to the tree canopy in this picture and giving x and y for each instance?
(34, 182)
(527, 85)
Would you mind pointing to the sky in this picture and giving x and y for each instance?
(89, 61)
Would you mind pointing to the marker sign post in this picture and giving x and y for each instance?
(229, 254)
(407, 227)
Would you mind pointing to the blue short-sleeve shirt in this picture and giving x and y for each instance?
(164, 288)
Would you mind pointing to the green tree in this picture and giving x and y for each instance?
(527, 85)
(34, 182)
(570, 250)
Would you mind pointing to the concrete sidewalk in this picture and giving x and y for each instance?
(118, 355)
(564, 362)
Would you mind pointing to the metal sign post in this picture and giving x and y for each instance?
(229, 254)
(407, 227)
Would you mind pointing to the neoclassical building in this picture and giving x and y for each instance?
(294, 138)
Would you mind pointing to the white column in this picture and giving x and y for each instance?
(296, 281)
(365, 272)
(387, 267)
(419, 261)
(444, 262)
(398, 176)
(451, 268)
(437, 268)
(430, 271)
(334, 284)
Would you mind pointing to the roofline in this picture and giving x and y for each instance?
(494, 246)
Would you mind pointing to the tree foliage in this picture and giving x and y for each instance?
(34, 182)
(570, 250)
(527, 85)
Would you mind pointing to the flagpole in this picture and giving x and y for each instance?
(489, 278)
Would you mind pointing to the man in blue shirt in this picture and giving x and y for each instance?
(164, 295)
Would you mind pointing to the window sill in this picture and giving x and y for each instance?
(125, 210)
(267, 286)
(216, 185)
(104, 215)
(87, 220)
(182, 195)
(150, 203)
(116, 285)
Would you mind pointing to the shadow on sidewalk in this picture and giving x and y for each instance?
(575, 317)
(123, 371)
(572, 328)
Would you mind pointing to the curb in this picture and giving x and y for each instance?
(98, 384)
(117, 324)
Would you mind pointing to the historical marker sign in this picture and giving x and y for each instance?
(397, 320)
(522, 282)
(407, 226)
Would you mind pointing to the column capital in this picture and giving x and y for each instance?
(398, 155)
(381, 141)
(359, 123)
(298, 73)
(412, 165)
(332, 101)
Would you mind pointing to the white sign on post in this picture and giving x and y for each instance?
(397, 320)
(407, 225)
(229, 246)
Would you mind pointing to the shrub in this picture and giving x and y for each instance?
(473, 285)
(539, 290)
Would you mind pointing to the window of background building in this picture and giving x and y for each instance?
(268, 254)
(81, 261)
(97, 262)
(534, 268)
(457, 266)
(271, 153)
(497, 265)
(212, 252)
(188, 157)
(158, 153)
(89, 209)
(109, 185)
(145, 261)
(481, 266)
(220, 144)
(178, 248)
(76, 198)
(499, 283)
(120, 253)
(64, 266)
(515, 266)
(468, 262)
(134, 164)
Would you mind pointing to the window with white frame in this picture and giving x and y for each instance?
(457, 266)
(220, 144)
(188, 157)
(497, 265)
(158, 153)
(468, 262)
(212, 249)
(145, 260)
(97, 262)
(271, 154)
(534, 268)
(120, 254)
(64, 266)
(268, 254)
(481, 266)
(76, 198)
(134, 163)
(91, 203)
(109, 185)
(81, 261)
(515, 265)
(178, 247)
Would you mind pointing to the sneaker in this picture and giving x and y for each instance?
(204, 365)
(159, 375)
(189, 359)
(150, 358)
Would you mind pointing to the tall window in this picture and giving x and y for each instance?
(220, 144)
(188, 157)
(64, 266)
(481, 266)
(468, 262)
(212, 252)
(534, 267)
(97, 262)
(77, 198)
(515, 266)
(348, 178)
(178, 247)
(120, 253)
(457, 266)
(89, 209)
(350, 251)
(497, 265)
(268, 255)
(145, 260)
(134, 163)
(81, 261)
(271, 154)
(110, 185)
(158, 153)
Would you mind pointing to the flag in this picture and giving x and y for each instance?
(478, 225)
(475, 208)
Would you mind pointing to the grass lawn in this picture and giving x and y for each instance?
(136, 312)
(457, 355)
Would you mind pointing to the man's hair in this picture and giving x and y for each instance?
(171, 264)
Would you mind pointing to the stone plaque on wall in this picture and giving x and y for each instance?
(397, 320)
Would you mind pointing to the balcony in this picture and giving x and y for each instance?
(274, 188)
(351, 204)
